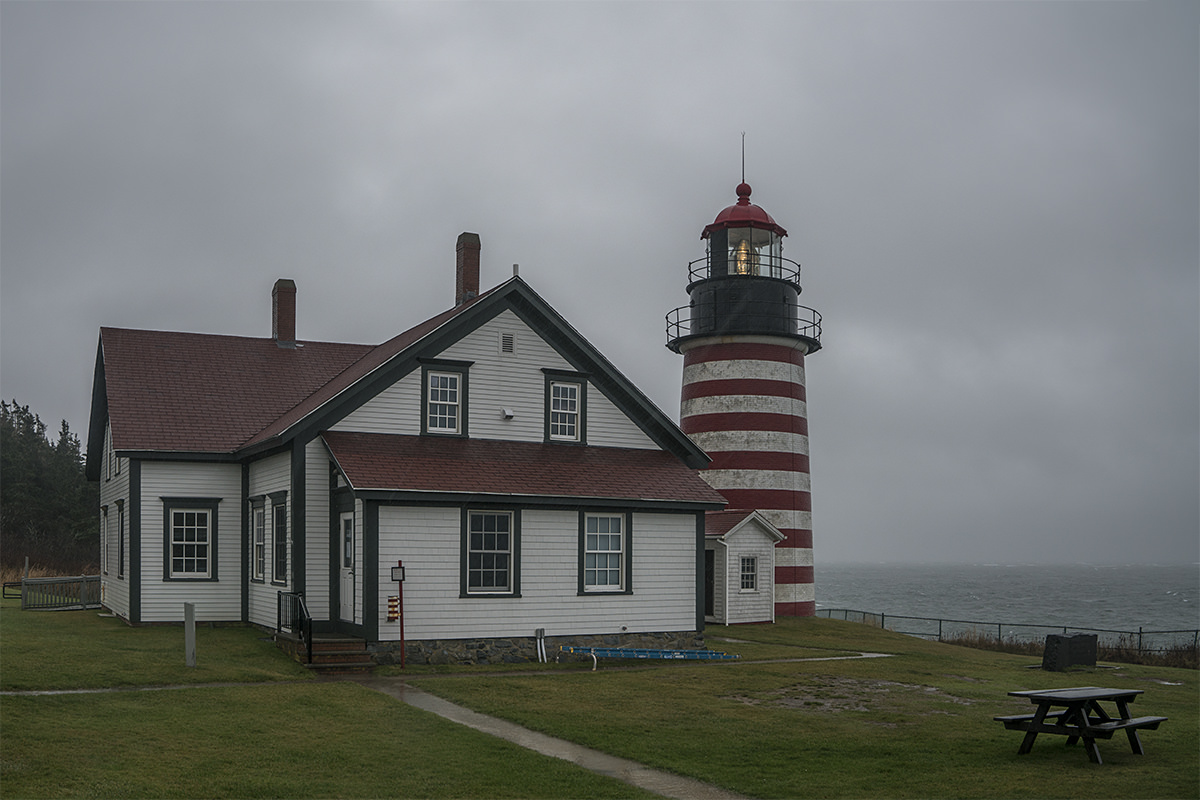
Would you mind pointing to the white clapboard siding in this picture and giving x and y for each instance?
(500, 380)
(267, 475)
(497, 380)
(428, 541)
(220, 600)
(114, 591)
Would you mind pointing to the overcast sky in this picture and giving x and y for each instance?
(995, 206)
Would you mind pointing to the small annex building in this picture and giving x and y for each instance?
(523, 482)
(739, 567)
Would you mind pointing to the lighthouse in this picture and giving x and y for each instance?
(744, 337)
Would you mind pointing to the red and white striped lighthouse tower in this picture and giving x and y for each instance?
(744, 337)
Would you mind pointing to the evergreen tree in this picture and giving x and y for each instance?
(47, 506)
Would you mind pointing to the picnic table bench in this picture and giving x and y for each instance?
(1077, 714)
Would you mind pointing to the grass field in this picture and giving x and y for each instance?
(915, 724)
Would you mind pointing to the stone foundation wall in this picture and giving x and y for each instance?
(523, 649)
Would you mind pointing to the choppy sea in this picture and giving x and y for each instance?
(1116, 598)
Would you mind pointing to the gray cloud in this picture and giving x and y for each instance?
(995, 205)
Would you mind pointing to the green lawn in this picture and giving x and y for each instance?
(297, 739)
(916, 724)
(85, 649)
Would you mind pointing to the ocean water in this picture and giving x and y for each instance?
(1115, 598)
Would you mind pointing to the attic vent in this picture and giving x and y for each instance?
(508, 343)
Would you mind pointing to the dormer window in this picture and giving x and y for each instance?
(444, 398)
(444, 406)
(566, 406)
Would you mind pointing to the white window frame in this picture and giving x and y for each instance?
(481, 559)
(178, 551)
(565, 411)
(444, 407)
(600, 558)
(748, 575)
(258, 537)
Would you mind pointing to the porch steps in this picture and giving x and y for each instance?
(332, 654)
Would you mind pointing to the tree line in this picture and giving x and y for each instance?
(49, 511)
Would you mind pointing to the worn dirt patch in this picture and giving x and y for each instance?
(833, 694)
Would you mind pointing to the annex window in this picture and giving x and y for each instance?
(566, 406)
(444, 398)
(749, 573)
(491, 553)
(190, 533)
(604, 553)
(279, 541)
(258, 540)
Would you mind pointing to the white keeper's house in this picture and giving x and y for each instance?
(520, 479)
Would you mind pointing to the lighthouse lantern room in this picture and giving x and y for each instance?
(744, 337)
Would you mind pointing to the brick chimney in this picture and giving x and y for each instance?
(466, 282)
(283, 313)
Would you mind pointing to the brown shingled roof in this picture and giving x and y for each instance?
(190, 392)
(204, 393)
(392, 462)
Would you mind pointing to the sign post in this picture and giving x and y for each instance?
(189, 634)
(398, 577)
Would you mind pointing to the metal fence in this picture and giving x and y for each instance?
(81, 591)
(1142, 640)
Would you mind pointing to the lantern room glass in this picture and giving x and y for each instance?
(755, 251)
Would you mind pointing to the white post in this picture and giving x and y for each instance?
(189, 633)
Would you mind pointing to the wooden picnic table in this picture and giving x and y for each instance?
(1077, 714)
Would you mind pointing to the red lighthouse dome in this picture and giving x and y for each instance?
(744, 214)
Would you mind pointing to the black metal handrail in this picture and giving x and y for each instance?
(764, 266)
(681, 322)
(291, 614)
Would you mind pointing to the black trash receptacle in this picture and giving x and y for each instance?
(1075, 650)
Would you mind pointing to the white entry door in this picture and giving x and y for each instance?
(347, 570)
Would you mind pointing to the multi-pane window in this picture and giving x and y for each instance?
(444, 403)
(258, 521)
(489, 552)
(190, 554)
(604, 552)
(749, 573)
(564, 411)
(279, 543)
